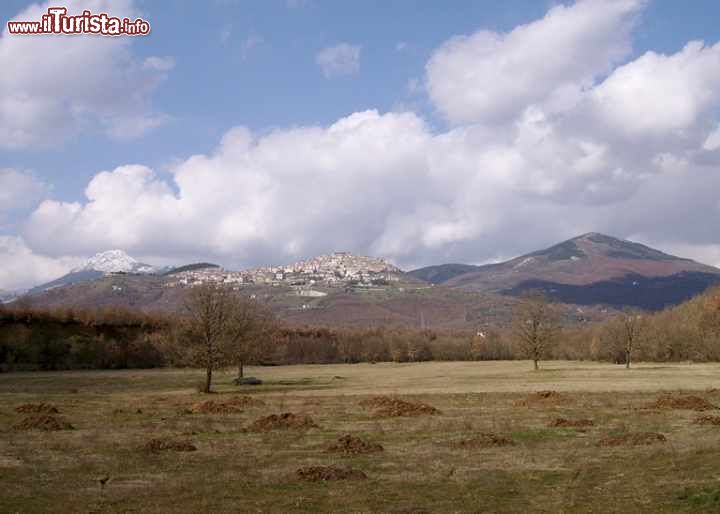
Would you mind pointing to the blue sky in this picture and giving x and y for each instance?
(255, 65)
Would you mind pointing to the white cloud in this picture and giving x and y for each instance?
(22, 268)
(490, 77)
(288, 193)
(54, 87)
(341, 59)
(712, 142)
(660, 94)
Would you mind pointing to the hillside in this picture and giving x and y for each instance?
(591, 275)
(441, 273)
(101, 264)
(595, 269)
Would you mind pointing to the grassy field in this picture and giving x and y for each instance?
(490, 448)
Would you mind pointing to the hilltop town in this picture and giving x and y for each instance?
(335, 269)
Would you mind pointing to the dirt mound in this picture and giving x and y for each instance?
(571, 423)
(389, 407)
(37, 408)
(285, 421)
(43, 422)
(350, 445)
(328, 473)
(707, 420)
(161, 445)
(484, 440)
(689, 402)
(244, 401)
(633, 439)
(543, 398)
(213, 407)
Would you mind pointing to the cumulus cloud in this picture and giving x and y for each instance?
(491, 77)
(634, 154)
(341, 59)
(22, 268)
(661, 94)
(289, 193)
(50, 91)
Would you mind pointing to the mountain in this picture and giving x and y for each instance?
(595, 269)
(115, 261)
(592, 276)
(9, 296)
(441, 272)
(112, 261)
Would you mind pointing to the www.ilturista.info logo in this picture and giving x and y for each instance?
(57, 21)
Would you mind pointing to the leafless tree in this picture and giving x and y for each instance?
(210, 313)
(625, 333)
(535, 326)
(251, 333)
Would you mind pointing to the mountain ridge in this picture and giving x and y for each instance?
(593, 268)
(588, 272)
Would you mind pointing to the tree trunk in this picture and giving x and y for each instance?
(208, 379)
(535, 362)
(241, 372)
(627, 360)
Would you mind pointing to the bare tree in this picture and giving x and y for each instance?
(535, 326)
(625, 332)
(251, 333)
(210, 313)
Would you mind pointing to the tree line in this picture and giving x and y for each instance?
(218, 328)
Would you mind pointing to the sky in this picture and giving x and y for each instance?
(263, 132)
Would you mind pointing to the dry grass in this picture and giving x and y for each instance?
(130, 426)
(633, 439)
(162, 445)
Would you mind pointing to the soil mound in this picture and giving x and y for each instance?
(213, 407)
(633, 439)
(161, 445)
(689, 402)
(388, 407)
(543, 398)
(571, 423)
(328, 473)
(484, 440)
(707, 420)
(285, 421)
(37, 408)
(350, 445)
(244, 401)
(43, 422)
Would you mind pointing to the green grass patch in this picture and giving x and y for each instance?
(541, 434)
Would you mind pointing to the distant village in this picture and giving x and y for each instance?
(336, 269)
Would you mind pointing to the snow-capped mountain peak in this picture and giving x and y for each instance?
(114, 261)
